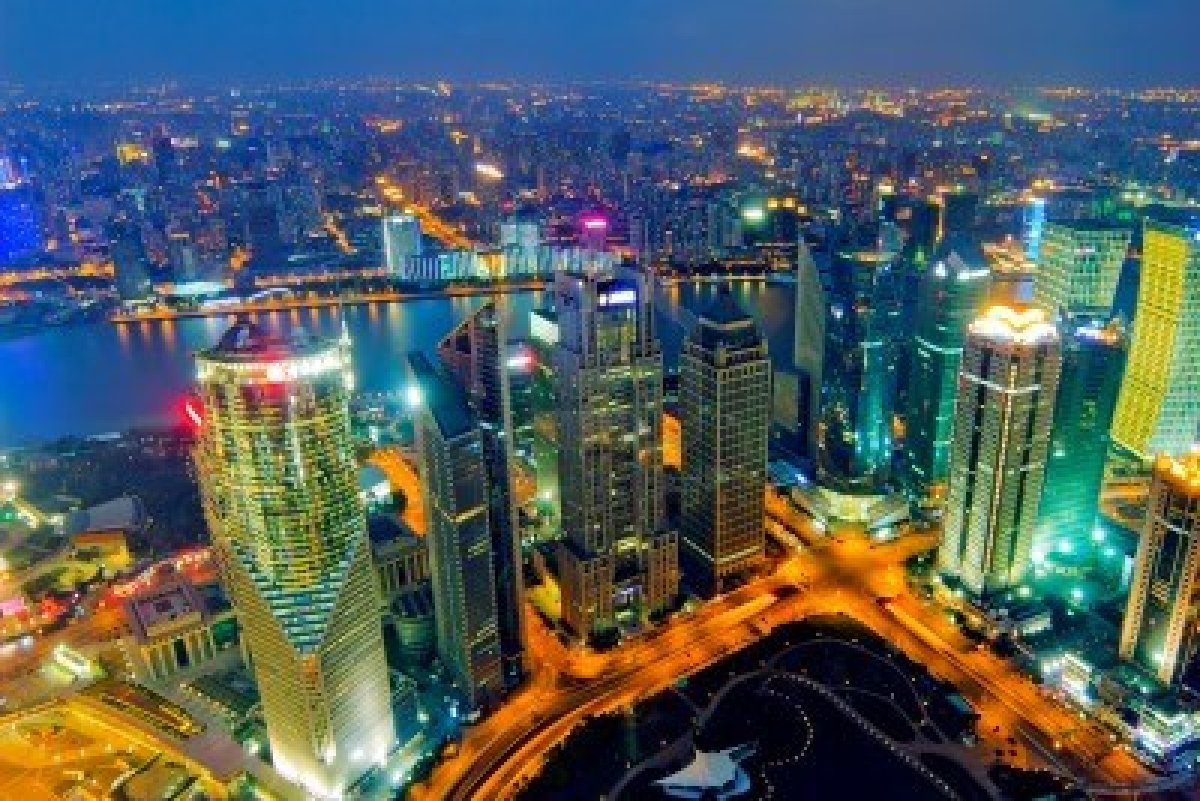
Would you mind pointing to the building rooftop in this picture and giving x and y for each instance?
(1181, 473)
(442, 397)
(248, 341)
(725, 324)
(149, 612)
(1022, 324)
(124, 514)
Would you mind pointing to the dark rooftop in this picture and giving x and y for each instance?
(248, 340)
(441, 395)
(725, 324)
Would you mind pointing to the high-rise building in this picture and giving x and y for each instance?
(1157, 410)
(725, 398)
(477, 352)
(949, 296)
(1006, 390)
(1079, 264)
(1159, 632)
(1093, 361)
(454, 474)
(401, 242)
(128, 255)
(615, 560)
(808, 350)
(862, 299)
(280, 491)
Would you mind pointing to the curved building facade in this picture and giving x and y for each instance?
(279, 487)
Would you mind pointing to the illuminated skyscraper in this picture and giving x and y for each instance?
(401, 241)
(454, 474)
(280, 493)
(949, 296)
(1079, 264)
(477, 352)
(1093, 362)
(615, 560)
(725, 398)
(1159, 631)
(1006, 391)
(858, 381)
(1157, 411)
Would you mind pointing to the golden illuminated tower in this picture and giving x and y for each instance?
(280, 493)
(1157, 411)
(1006, 390)
(1160, 628)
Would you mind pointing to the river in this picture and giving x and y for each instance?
(100, 378)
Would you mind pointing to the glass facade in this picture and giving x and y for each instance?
(949, 296)
(280, 493)
(858, 379)
(1092, 365)
(1079, 264)
(454, 473)
(1158, 410)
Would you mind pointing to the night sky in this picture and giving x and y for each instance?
(842, 42)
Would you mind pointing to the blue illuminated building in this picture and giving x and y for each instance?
(21, 230)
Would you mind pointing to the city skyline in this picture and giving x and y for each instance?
(445, 439)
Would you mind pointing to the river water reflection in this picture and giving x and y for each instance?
(99, 378)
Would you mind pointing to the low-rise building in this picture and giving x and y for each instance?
(172, 630)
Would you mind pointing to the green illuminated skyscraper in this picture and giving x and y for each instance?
(1079, 264)
(950, 294)
(280, 491)
(1092, 366)
(858, 381)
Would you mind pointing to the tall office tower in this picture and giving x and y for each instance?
(1079, 264)
(959, 209)
(476, 351)
(1093, 361)
(1157, 410)
(615, 560)
(949, 297)
(725, 399)
(128, 255)
(401, 242)
(862, 333)
(454, 473)
(1159, 632)
(808, 349)
(280, 492)
(1006, 390)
